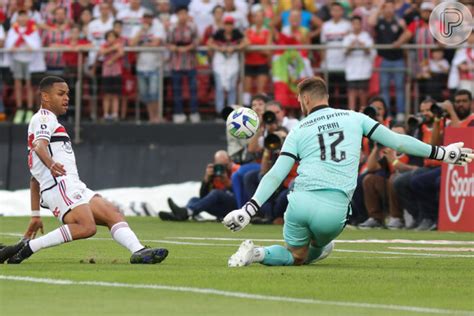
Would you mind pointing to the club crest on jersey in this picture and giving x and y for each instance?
(43, 119)
(67, 147)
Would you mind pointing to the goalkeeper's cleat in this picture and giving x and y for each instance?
(21, 255)
(326, 252)
(149, 256)
(243, 256)
(7, 251)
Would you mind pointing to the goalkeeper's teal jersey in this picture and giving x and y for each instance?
(327, 144)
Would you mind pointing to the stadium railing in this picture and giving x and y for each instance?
(162, 72)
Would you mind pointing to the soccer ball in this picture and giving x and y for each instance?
(242, 123)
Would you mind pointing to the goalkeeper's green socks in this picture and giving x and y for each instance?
(314, 253)
(276, 256)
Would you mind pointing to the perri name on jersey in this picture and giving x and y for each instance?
(328, 126)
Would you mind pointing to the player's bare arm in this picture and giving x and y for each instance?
(40, 147)
(35, 223)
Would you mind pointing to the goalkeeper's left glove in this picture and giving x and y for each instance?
(238, 219)
(453, 154)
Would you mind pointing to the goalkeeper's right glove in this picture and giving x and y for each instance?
(453, 154)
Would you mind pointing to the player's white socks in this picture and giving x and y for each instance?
(56, 237)
(122, 234)
(258, 254)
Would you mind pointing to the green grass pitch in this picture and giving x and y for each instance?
(357, 279)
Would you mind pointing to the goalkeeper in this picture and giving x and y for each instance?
(327, 146)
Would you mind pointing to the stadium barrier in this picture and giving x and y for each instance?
(122, 155)
(456, 204)
(82, 77)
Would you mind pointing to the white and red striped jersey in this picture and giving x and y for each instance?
(44, 125)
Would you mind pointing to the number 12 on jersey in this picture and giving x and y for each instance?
(335, 155)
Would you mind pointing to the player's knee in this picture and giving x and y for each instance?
(88, 230)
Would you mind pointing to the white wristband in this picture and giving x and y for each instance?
(35, 213)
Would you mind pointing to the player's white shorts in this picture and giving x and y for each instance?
(66, 195)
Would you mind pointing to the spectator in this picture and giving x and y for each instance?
(84, 20)
(256, 62)
(114, 7)
(378, 186)
(201, 11)
(364, 9)
(33, 14)
(131, 18)
(152, 34)
(21, 39)
(268, 12)
(55, 35)
(218, 23)
(463, 63)
(226, 43)
(215, 196)
(359, 60)
(183, 40)
(78, 7)
(407, 185)
(71, 58)
(419, 33)
(273, 210)
(3, 73)
(389, 30)
(163, 9)
(402, 7)
(332, 34)
(239, 14)
(436, 74)
(112, 52)
(290, 66)
(97, 29)
(308, 21)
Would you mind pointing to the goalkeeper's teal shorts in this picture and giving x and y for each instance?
(318, 215)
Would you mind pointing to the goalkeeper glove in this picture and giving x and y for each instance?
(238, 219)
(453, 154)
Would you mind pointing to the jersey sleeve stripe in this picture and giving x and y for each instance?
(373, 130)
(289, 155)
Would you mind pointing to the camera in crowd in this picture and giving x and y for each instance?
(274, 141)
(438, 110)
(415, 121)
(219, 170)
(269, 117)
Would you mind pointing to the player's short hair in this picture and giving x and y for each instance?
(378, 99)
(356, 17)
(22, 12)
(315, 86)
(47, 82)
(111, 32)
(181, 8)
(464, 92)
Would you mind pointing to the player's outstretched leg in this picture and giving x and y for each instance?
(247, 254)
(107, 214)
(79, 224)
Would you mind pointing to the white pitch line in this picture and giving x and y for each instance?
(160, 241)
(355, 241)
(242, 295)
(406, 253)
(447, 249)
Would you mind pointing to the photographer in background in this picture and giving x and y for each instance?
(383, 167)
(272, 119)
(272, 211)
(417, 188)
(377, 110)
(215, 196)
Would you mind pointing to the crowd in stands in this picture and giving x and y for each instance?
(394, 190)
(228, 28)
